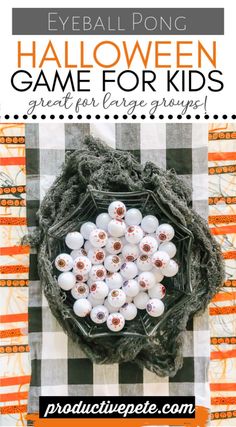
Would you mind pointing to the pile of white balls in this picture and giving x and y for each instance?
(116, 266)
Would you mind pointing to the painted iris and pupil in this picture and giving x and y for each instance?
(162, 236)
(149, 307)
(100, 315)
(158, 263)
(61, 263)
(120, 211)
(81, 290)
(79, 277)
(99, 256)
(142, 284)
(100, 273)
(101, 235)
(115, 321)
(123, 266)
(93, 287)
(130, 258)
(115, 259)
(115, 293)
(131, 229)
(146, 247)
(143, 257)
(80, 265)
(117, 246)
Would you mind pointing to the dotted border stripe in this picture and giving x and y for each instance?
(124, 117)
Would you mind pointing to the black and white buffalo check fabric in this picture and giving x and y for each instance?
(59, 367)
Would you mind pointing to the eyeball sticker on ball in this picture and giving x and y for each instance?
(134, 234)
(148, 245)
(98, 238)
(80, 290)
(146, 280)
(99, 314)
(97, 272)
(116, 298)
(82, 265)
(155, 307)
(160, 259)
(165, 232)
(115, 322)
(117, 209)
(96, 255)
(114, 245)
(64, 262)
(112, 263)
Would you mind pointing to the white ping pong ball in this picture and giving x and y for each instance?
(171, 269)
(114, 245)
(144, 263)
(165, 232)
(99, 314)
(99, 290)
(66, 280)
(116, 297)
(160, 259)
(98, 238)
(88, 246)
(130, 252)
(115, 322)
(148, 245)
(140, 301)
(129, 270)
(129, 311)
(155, 307)
(131, 288)
(110, 307)
(86, 229)
(114, 280)
(117, 209)
(74, 240)
(82, 307)
(149, 223)
(82, 265)
(103, 220)
(134, 234)
(98, 272)
(96, 255)
(158, 274)
(95, 301)
(146, 280)
(133, 217)
(157, 291)
(80, 290)
(112, 263)
(64, 262)
(169, 248)
(116, 227)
